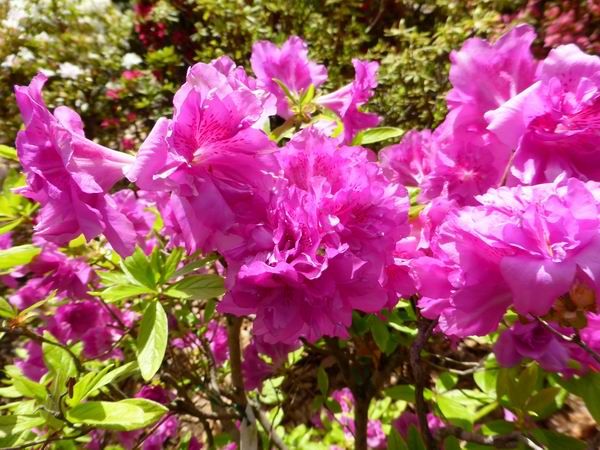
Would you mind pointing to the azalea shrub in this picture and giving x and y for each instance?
(255, 275)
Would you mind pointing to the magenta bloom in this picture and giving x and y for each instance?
(135, 209)
(335, 222)
(211, 166)
(409, 419)
(216, 335)
(33, 366)
(523, 247)
(555, 123)
(409, 161)
(466, 160)
(502, 70)
(255, 369)
(532, 341)
(68, 174)
(288, 64)
(89, 322)
(345, 102)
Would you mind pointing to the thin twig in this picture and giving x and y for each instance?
(266, 424)
(41, 339)
(510, 440)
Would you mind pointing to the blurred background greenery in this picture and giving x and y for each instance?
(118, 62)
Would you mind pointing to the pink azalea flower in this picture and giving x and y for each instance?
(335, 224)
(288, 64)
(554, 124)
(409, 161)
(135, 209)
(524, 246)
(502, 70)
(409, 419)
(254, 369)
(532, 341)
(216, 335)
(345, 102)
(210, 165)
(89, 322)
(466, 160)
(33, 366)
(69, 174)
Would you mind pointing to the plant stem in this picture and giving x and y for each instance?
(361, 420)
(425, 327)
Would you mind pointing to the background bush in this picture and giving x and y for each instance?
(119, 62)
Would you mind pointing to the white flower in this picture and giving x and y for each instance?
(68, 70)
(9, 61)
(130, 59)
(48, 72)
(16, 13)
(25, 54)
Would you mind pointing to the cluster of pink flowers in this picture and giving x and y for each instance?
(316, 228)
(511, 181)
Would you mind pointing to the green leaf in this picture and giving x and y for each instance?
(285, 89)
(542, 402)
(404, 392)
(445, 381)
(198, 287)
(60, 365)
(120, 292)
(11, 425)
(209, 309)
(527, 381)
(5, 227)
(152, 340)
(170, 266)
(95, 381)
(486, 381)
(124, 415)
(588, 388)
(414, 441)
(6, 309)
(380, 332)
(322, 381)
(557, 441)
(395, 441)
(307, 95)
(17, 256)
(454, 411)
(373, 135)
(139, 269)
(7, 152)
(194, 266)
(26, 386)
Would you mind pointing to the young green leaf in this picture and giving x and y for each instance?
(120, 292)
(124, 415)
(395, 441)
(139, 269)
(322, 381)
(24, 385)
(6, 309)
(380, 332)
(95, 381)
(7, 152)
(198, 287)
(373, 135)
(17, 256)
(152, 340)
